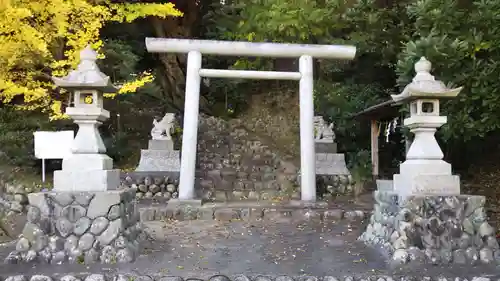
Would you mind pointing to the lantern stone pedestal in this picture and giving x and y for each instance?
(84, 218)
(432, 229)
(80, 227)
(422, 217)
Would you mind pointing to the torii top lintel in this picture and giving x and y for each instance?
(240, 48)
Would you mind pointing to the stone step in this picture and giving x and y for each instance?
(251, 210)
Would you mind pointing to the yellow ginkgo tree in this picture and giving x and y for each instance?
(42, 38)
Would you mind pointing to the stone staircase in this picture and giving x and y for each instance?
(234, 163)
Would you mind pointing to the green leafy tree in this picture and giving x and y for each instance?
(462, 40)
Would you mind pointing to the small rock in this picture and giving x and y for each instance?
(45, 255)
(81, 226)
(40, 278)
(56, 244)
(21, 198)
(171, 188)
(114, 212)
(351, 215)
(472, 254)
(16, 278)
(122, 277)
(30, 256)
(325, 278)
(64, 227)
(142, 188)
(401, 243)
(91, 256)
(139, 195)
(175, 195)
(13, 258)
(154, 188)
(59, 257)
(158, 194)
(114, 228)
(75, 255)
(400, 256)
(242, 277)
(336, 214)
(148, 195)
(486, 255)
(23, 245)
(33, 214)
(120, 242)
(86, 242)
(167, 195)
(99, 225)
(71, 243)
(16, 207)
(171, 278)
(69, 278)
(226, 214)
(124, 255)
(485, 229)
(95, 277)
(148, 181)
(258, 278)
(221, 278)
(108, 255)
(40, 242)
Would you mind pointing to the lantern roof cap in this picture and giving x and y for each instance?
(424, 85)
(87, 75)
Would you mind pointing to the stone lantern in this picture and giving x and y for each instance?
(424, 218)
(85, 212)
(88, 168)
(424, 171)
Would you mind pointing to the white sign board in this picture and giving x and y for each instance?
(53, 145)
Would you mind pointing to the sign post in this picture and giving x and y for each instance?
(52, 145)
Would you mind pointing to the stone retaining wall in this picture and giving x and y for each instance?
(158, 185)
(123, 277)
(224, 212)
(15, 197)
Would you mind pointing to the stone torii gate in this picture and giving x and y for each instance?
(194, 73)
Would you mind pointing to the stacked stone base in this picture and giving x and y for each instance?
(432, 229)
(82, 227)
(332, 185)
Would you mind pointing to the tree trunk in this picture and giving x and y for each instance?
(173, 66)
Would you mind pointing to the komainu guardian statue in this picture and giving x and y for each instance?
(162, 129)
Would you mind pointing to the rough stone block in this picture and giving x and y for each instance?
(159, 160)
(74, 226)
(325, 147)
(439, 229)
(167, 145)
(88, 180)
(226, 214)
(331, 164)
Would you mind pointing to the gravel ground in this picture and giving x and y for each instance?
(204, 248)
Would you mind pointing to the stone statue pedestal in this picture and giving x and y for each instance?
(331, 168)
(76, 227)
(160, 157)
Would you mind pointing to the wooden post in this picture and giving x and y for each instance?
(374, 148)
